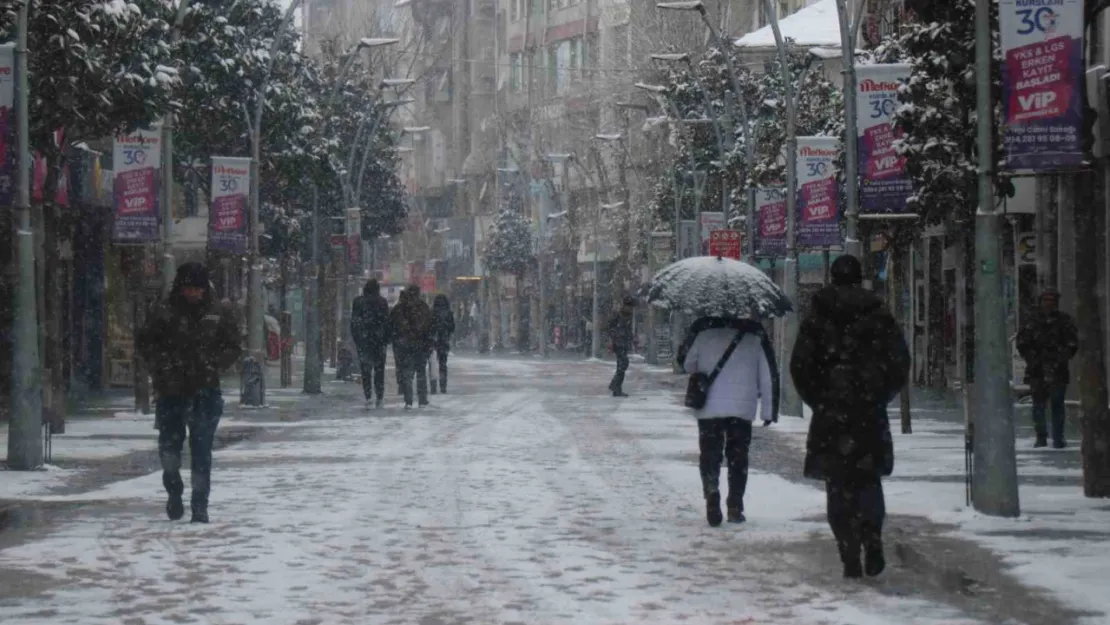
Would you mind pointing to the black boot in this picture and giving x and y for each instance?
(443, 386)
(849, 555)
(874, 560)
(200, 510)
(175, 507)
(713, 509)
(736, 514)
(1042, 441)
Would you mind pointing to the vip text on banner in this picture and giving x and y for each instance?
(770, 233)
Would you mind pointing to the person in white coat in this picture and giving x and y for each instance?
(746, 388)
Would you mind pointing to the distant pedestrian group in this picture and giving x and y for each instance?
(413, 329)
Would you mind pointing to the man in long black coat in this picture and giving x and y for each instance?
(850, 360)
(1047, 341)
(370, 331)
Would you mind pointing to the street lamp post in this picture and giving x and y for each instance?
(849, 31)
(314, 361)
(24, 443)
(791, 401)
(167, 167)
(734, 78)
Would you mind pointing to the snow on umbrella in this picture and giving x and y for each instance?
(707, 286)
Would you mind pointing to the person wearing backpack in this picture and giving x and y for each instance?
(733, 381)
(850, 360)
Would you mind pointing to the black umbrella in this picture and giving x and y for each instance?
(707, 286)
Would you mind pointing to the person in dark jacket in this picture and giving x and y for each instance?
(443, 326)
(620, 336)
(187, 341)
(411, 323)
(370, 331)
(850, 360)
(1047, 341)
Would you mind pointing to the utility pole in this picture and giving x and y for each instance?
(167, 168)
(791, 402)
(848, 34)
(994, 490)
(25, 429)
(312, 357)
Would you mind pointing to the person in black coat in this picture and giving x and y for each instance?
(371, 333)
(443, 326)
(1047, 341)
(621, 338)
(850, 360)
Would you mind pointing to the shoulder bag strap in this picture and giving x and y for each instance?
(724, 359)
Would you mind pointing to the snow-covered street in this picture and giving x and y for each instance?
(524, 496)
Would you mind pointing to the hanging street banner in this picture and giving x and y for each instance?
(136, 161)
(662, 249)
(770, 234)
(228, 212)
(818, 197)
(883, 185)
(7, 124)
(710, 221)
(1042, 41)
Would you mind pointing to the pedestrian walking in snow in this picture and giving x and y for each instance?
(735, 363)
(188, 340)
(1047, 341)
(621, 338)
(443, 326)
(371, 333)
(850, 360)
(411, 323)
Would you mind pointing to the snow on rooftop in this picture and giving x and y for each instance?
(815, 25)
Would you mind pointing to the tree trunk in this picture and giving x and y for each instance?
(1095, 419)
(523, 333)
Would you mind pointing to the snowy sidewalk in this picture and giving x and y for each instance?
(524, 496)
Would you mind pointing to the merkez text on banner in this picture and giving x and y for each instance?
(1042, 41)
(770, 233)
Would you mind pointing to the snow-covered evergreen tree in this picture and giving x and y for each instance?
(509, 246)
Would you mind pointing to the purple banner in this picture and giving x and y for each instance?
(884, 185)
(818, 201)
(770, 234)
(227, 224)
(1042, 41)
(137, 161)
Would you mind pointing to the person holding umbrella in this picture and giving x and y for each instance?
(738, 361)
(850, 360)
(731, 362)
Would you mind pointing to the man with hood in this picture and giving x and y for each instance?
(850, 360)
(370, 331)
(1047, 341)
(620, 335)
(188, 340)
(411, 324)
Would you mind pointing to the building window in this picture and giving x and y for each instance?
(536, 69)
(516, 71)
(555, 70)
(555, 5)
